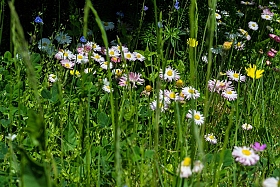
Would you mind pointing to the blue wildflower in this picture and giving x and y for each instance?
(83, 39)
(160, 24)
(176, 6)
(121, 14)
(38, 20)
(145, 8)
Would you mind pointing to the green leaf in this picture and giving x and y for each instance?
(102, 119)
(149, 154)
(5, 122)
(70, 138)
(35, 58)
(32, 173)
(7, 56)
(35, 128)
(46, 94)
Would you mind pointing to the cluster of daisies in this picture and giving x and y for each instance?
(225, 87)
(90, 51)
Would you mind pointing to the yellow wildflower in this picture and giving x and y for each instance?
(253, 72)
(192, 42)
(227, 45)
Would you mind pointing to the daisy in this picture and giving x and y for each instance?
(253, 25)
(129, 56)
(218, 16)
(104, 65)
(170, 94)
(253, 72)
(211, 138)
(239, 46)
(247, 3)
(93, 46)
(169, 74)
(271, 182)
(190, 93)
(119, 48)
(229, 94)
(81, 58)
(134, 78)
(106, 86)
(52, 78)
(67, 64)
(63, 38)
(43, 44)
(217, 85)
(196, 116)
(108, 25)
(113, 53)
(245, 155)
(162, 105)
(232, 75)
(185, 168)
(88, 70)
(246, 126)
(245, 34)
(197, 166)
(97, 57)
(266, 17)
(138, 56)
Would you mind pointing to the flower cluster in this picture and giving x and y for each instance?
(185, 169)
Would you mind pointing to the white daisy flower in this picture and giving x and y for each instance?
(44, 44)
(63, 38)
(81, 58)
(95, 47)
(138, 56)
(106, 86)
(113, 53)
(67, 64)
(247, 127)
(169, 74)
(218, 16)
(185, 168)
(245, 155)
(97, 57)
(196, 116)
(108, 25)
(253, 25)
(170, 94)
(104, 65)
(266, 17)
(129, 56)
(229, 94)
(271, 182)
(190, 93)
(118, 48)
(232, 75)
(210, 138)
(239, 46)
(197, 166)
(52, 78)
(162, 105)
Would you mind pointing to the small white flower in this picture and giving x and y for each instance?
(218, 16)
(229, 94)
(239, 46)
(196, 116)
(211, 138)
(106, 86)
(190, 93)
(11, 136)
(129, 56)
(113, 52)
(253, 25)
(266, 17)
(197, 166)
(139, 57)
(104, 65)
(108, 25)
(246, 126)
(271, 182)
(169, 74)
(52, 78)
(97, 57)
(204, 58)
(185, 168)
(232, 75)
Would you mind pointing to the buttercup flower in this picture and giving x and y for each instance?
(227, 45)
(232, 75)
(271, 182)
(179, 83)
(245, 155)
(192, 42)
(196, 116)
(211, 138)
(258, 147)
(247, 126)
(253, 25)
(253, 72)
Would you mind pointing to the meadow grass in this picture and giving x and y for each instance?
(185, 108)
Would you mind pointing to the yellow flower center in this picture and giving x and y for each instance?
(97, 56)
(106, 63)
(53, 76)
(196, 117)
(187, 161)
(128, 55)
(67, 65)
(94, 46)
(169, 72)
(181, 94)
(172, 95)
(111, 52)
(179, 83)
(138, 56)
(211, 137)
(229, 92)
(246, 152)
(66, 54)
(253, 24)
(235, 75)
(191, 91)
(80, 57)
